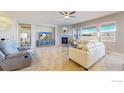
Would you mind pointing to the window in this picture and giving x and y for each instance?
(108, 32)
(76, 33)
(89, 31)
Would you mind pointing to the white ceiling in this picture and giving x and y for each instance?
(52, 17)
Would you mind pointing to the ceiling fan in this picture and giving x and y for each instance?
(68, 14)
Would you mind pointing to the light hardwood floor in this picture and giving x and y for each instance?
(55, 58)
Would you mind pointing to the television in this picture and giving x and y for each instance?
(45, 35)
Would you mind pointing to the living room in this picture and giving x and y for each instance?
(49, 36)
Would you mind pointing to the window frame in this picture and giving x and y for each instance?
(105, 23)
(78, 32)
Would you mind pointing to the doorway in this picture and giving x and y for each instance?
(25, 34)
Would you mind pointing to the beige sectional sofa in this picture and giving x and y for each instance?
(88, 55)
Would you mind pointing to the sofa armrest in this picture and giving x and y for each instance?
(79, 56)
(23, 48)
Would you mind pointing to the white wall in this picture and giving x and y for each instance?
(40, 28)
(117, 46)
(36, 28)
(60, 33)
(13, 31)
(10, 33)
(57, 30)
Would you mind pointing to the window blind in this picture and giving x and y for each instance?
(108, 27)
(89, 29)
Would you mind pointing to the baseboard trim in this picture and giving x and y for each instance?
(116, 53)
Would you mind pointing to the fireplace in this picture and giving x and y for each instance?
(64, 40)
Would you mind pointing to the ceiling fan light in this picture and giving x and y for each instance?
(66, 17)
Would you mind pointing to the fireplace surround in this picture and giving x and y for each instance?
(64, 40)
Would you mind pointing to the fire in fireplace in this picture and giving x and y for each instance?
(64, 40)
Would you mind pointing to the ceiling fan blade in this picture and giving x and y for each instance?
(59, 17)
(72, 12)
(73, 16)
(61, 13)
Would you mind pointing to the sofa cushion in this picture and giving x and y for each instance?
(82, 47)
(19, 54)
(89, 45)
(99, 43)
(9, 50)
(9, 43)
(8, 47)
(83, 41)
(2, 56)
(86, 40)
